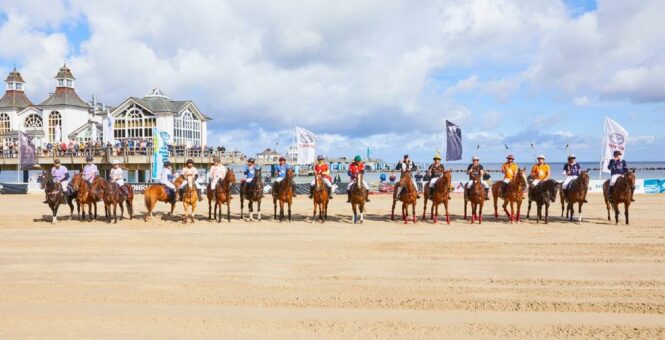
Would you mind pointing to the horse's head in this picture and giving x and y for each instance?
(584, 177)
(290, 174)
(447, 175)
(520, 177)
(553, 188)
(630, 178)
(44, 179)
(258, 179)
(76, 181)
(404, 177)
(230, 176)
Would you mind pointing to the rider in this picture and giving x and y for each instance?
(117, 177)
(281, 170)
(356, 168)
(406, 165)
(509, 169)
(618, 168)
(475, 169)
(60, 174)
(540, 172)
(166, 179)
(321, 168)
(217, 172)
(249, 171)
(90, 171)
(191, 175)
(435, 172)
(571, 170)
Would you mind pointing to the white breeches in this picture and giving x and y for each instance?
(248, 180)
(415, 185)
(613, 179)
(348, 187)
(567, 180)
(535, 182)
(432, 182)
(506, 180)
(278, 179)
(119, 181)
(185, 182)
(325, 180)
(64, 185)
(168, 184)
(469, 184)
(213, 182)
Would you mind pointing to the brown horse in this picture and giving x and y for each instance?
(408, 196)
(252, 192)
(190, 197)
(320, 197)
(440, 194)
(358, 195)
(112, 197)
(84, 196)
(54, 193)
(621, 193)
(577, 190)
(221, 195)
(543, 193)
(475, 195)
(283, 192)
(126, 198)
(514, 195)
(157, 193)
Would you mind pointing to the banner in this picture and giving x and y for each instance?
(107, 128)
(615, 138)
(454, 142)
(58, 134)
(26, 151)
(93, 132)
(306, 146)
(160, 153)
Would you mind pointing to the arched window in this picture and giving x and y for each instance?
(54, 126)
(134, 123)
(33, 122)
(5, 123)
(187, 129)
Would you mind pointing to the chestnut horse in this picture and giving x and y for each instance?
(320, 197)
(84, 196)
(475, 195)
(54, 193)
(358, 195)
(190, 197)
(283, 192)
(221, 194)
(441, 194)
(543, 193)
(514, 195)
(577, 190)
(408, 196)
(252, 193)
(157, 193)
(112, 197)
(621, 193)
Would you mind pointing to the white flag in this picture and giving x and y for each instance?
(58, 134)
(306, 146)
(93, 132)
(615, 138)
(107, 128)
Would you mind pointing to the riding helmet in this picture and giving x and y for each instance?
(167, 163)
(215, 159)
(510, 157)
(357, 158)
(251, 160)
(320, 157)
(571, 156)
(617, 152)
(88, 159)
(190, 161)
(282, 158)
(541, 156)
(475, 158)
(57, 161)
(406, 155)
(437, 156)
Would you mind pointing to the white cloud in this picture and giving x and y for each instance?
(581, 101)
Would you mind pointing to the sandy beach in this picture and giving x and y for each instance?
(381, 279)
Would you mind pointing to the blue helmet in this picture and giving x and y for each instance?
(167, 163)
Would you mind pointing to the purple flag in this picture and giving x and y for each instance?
(27, 151)
(454, 142)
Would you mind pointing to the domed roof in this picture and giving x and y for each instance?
(14, 76)
(64, 72)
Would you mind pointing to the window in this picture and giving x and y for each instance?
(19, 86)
(134, 123)
(5, 123)
(54, 126)
(33, 122)
(187, 129)
(61, 82)
(69, 83)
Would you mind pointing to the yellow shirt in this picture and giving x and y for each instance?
(540, 172)
(509, 170)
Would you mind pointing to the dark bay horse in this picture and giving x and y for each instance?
(440, 194)
(543, 193)
(252, 192)
(475, 195)
(577, 190)
(283, 192)
(408, 196)
(157, 193)
(126, 198)
(55, 195)
(320, 198)
(513, 196)
(112, 197)
(621, 193)
(221, 195)
(358, 195)
(85, 197)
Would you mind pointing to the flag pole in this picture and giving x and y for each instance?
(443, 136)
(602, 150)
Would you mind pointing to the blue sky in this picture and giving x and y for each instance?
(366, 73)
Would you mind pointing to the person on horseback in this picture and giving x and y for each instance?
(406, 165)
(217, 172)
(509, 169)
(571, 170)
(249, 171)
(191, 175)
(540, 171)
(166, 179)
(475, 169)
(434, 172)
(118, 179)
(280, 170)
(60, 174)
(321, 168)
(356, 168)
(618, 168)
(90, 171)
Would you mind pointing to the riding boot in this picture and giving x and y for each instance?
(610, 197)
(348, 196)
(367, 196)
(632, 191)
(45, 198)
(487, 194)
(330, 196)
(181, 194)
(295, 194)
(311, 192)
(503, 190)
(198, 193)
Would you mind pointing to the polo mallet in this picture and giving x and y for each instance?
(567, 153)
(506, 150)
(533, 154)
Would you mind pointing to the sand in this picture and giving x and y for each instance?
(381, 279)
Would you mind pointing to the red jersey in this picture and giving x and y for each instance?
(323, 170)
(355, 169)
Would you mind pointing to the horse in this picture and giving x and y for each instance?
(126, 198)
(320, 197)
(621, 193)
(221, 195)
(475, 195)
(441, 194)
(112, 196)
(283, 192)
(514, 196)
(543, 193)
(408, 196)
(157, 193)
(84, 196)
(252, 192)
(54, 193)
(358, 195)
(577, 191)
(190, 197)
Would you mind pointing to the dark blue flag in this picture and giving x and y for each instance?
(454, 142)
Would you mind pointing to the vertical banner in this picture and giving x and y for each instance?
(93, 132)
(454, 142)
(614, 138)
(306, 146)
(58, 134)
(107, 128)
(160, 152)
(26, 151)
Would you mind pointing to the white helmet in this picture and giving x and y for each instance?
(475, 158)
(117, 161)
(541, 156)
